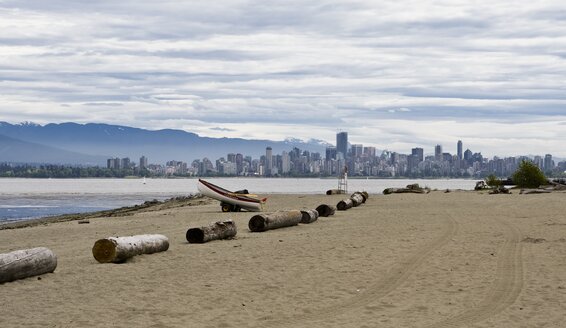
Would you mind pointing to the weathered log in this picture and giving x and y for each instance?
(345, 204)
(119, 249)
(388, 191)
(534, 191)
(325, 210)
(264, 222)
(26, 263)
(334, 192)
(357, 199)
(309, 216)
(216, 230)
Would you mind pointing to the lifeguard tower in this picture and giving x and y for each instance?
(343, 181)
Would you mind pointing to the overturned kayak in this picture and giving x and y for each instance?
(231, 201)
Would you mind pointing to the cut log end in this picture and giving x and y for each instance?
(325, 210)
(257, 223)
(104, 250)
(195, 235)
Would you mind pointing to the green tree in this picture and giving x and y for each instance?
(528, 175)
(492, 181)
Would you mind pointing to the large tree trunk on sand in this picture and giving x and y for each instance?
(309, 216)
(345, 204)
(357, 199)
(325, 210)
(334, 191)
(26, 263)
(263, 222)
(119, 249)
(363, 194)
(217, 230)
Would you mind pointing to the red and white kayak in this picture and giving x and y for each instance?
(231, 201)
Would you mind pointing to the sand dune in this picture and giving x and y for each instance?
(460, 259)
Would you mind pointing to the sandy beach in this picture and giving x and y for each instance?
(458, 259)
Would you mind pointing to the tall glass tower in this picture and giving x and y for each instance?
(342, 144)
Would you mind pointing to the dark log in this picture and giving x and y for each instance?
(325, 210)
(366, 195)
(217, 230)
(345, 204)
(357, 199)
(334, 192)
(26, 263)
(119, 249)
(264, 222)
(388, 191)
(309, 216)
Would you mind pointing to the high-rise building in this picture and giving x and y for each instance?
(460, 154)
(548, 164)
(357, 150)
(330, 153)
(342, 144)
(268, 161)
(285, 163)
(418, 153)
(370, 151)
(143, 163)
(438, 153)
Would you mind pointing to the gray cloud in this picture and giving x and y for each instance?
(293, 68)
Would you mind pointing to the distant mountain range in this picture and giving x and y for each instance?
(92, 144)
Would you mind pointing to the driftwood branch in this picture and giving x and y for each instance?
(26, 263)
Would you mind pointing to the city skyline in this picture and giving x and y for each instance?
(360, 161)
(393, 74)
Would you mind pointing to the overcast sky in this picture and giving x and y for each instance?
(393, 74)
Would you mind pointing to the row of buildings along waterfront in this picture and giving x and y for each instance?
(359, 160)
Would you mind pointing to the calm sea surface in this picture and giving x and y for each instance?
(22, 199)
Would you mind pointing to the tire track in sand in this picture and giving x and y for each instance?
(504, 290)
(393, 279)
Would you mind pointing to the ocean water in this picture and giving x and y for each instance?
(22, 199)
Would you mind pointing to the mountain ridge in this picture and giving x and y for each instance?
(159, 146)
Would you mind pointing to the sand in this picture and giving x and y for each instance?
(459, 259)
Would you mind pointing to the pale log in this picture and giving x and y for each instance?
(345, 204)
(309, 216)
(26, 263)
(216, 230)
(357, 199)
(325, 210)
(264, 222)
(119, 249)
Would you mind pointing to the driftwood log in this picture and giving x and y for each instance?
(334, 192)
(264, 222)
(534, 191)
(309, 216)
(26, 263)
(325, 210)
(357, 199)
(216, 230)
(345, 204)
(119, 249)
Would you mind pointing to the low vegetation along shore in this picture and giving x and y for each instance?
(433, 259)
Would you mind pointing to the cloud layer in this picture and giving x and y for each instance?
(394, 74)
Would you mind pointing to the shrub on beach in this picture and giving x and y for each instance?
(528, 175)
(492, 181)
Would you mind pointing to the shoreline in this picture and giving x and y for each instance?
(148, 206)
